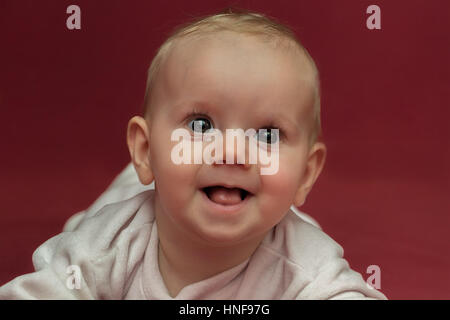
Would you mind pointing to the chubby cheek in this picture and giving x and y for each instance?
(175, 184)
(278, 190)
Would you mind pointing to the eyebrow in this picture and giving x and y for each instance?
(196, 105)
(282, 121)
(193, 104)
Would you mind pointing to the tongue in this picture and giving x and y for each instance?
(224, 196)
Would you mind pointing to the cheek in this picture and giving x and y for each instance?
(281, 187)
(175, 183)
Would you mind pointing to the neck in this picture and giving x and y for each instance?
(184, 259)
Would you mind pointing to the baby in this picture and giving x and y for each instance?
(210, 229)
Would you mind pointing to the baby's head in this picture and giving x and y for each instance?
(242, 26)
(229, 71)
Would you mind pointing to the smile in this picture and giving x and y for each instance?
(225, 200)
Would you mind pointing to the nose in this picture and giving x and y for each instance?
(235, 149)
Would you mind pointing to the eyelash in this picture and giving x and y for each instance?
(273, 125)
(196, 114)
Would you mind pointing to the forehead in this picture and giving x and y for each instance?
(234, 70)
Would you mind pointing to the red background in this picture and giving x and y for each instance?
(66, 97)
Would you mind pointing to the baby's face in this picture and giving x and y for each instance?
(230, 82)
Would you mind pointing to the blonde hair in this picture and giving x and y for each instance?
(242, 22)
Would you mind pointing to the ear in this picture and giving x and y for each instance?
(314, 166)
(139, 147)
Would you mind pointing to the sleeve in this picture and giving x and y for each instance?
(53, 278)
(124, 186)
(336, 281)
(321, 262)
(96, 260)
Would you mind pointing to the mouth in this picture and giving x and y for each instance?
(226, 196)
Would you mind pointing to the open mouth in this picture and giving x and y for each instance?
(226, 196)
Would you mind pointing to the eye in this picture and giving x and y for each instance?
(200, 125)
(268, 135)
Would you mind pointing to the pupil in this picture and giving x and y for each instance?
(201, 125)
(267, 136)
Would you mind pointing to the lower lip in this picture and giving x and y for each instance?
(225, 209)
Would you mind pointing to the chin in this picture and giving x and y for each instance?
(223, 236)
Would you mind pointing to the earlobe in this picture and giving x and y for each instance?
(139, 148)
(314, 166)
(300, 196)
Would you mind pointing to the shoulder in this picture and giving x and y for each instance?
(106, 246)
(314, 262)
(302, 243)
(109, 229)
(112, 220)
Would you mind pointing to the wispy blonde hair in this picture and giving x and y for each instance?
(241, 22)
